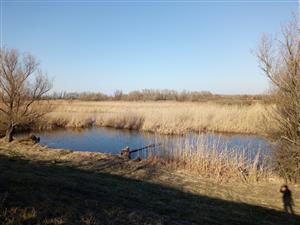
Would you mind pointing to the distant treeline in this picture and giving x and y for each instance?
(160, 95)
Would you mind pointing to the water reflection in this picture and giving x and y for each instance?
(109, 140)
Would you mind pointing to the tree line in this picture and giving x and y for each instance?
(158, 95)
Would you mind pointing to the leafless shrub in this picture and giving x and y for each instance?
(280, 60)
(22, 85)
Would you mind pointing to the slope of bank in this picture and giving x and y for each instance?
(53, 186)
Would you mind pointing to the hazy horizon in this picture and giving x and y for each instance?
(104, 46)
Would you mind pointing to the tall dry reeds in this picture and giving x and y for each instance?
(159, 117)
(214, 160)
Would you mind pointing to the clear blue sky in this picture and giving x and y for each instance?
(132, 45)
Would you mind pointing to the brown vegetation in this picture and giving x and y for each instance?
(218, 163)
(44, 186)
(162, 95)
(159, 117)
(280, 60)
(22, 84)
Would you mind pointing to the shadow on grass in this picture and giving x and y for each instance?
(34, 192)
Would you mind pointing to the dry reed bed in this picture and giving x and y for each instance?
(159, 117)
(220, 165)
(215, 161)
(177, 118)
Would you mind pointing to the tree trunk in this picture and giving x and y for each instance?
(9, 133)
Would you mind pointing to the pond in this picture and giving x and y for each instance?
(110, 140)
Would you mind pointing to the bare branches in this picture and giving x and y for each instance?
(280, 60)
(22, 84)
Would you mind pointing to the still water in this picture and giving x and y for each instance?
(109, 140)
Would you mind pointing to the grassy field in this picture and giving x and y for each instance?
(160, 117)
(43, 186)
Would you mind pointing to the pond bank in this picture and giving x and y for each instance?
(211, 155)
(110, 140)
(95, 188)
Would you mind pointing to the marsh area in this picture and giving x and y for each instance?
(111, 140)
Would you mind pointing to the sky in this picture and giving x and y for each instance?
(103, 46)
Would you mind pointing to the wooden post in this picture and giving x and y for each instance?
(125, 153)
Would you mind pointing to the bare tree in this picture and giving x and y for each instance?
(280, 60)
(22, 84)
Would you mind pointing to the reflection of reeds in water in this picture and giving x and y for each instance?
(212, 159)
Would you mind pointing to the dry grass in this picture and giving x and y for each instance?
(159, 117)
(177, 118)
(44, 186)
(210, 160)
